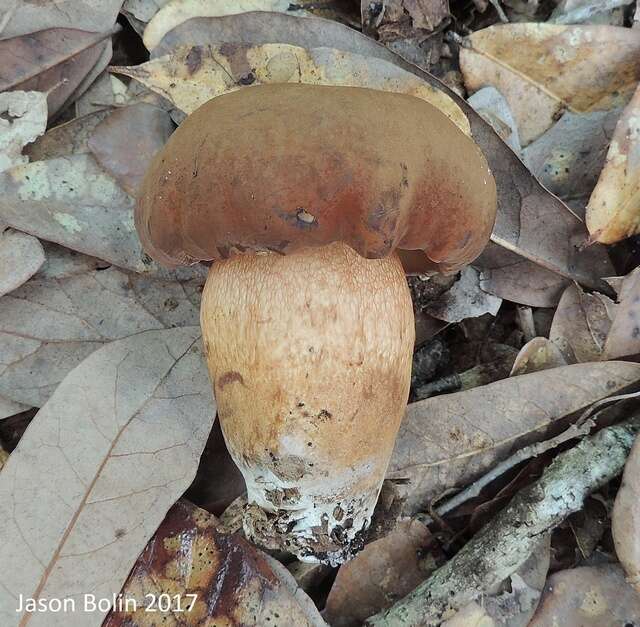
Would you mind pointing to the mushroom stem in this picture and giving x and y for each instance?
(310, 358)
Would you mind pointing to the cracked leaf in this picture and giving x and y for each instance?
(545, 69)
(97, 470)
(68, 310)
(448, 441)
(235, 583)
(613, 211)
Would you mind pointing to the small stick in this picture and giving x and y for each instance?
(506, 542)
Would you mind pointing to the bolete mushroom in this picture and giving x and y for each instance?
(304, 197)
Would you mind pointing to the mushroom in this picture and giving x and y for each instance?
(306, 198)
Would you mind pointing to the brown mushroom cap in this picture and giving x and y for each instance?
(284, 166)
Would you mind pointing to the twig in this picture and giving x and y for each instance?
(581, 427)
(501, 14)
(505, 543)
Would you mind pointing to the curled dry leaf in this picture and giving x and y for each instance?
(470, 431)
(23, 117)
(381, 574)
(21, 256)
(625, 521)
(590, 596)
(192, 75)
(516, 599)
(126, 141)
(49, 325)
(176, 12)
(581, 324)
(464, 299)
(624, 335)
(613, 212)
(567, 159)
(69, 56)
(98, 469)
(538, 354)
(231, 581)
(21, 17)
(543, 69)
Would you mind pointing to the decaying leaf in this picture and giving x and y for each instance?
(589, 596)
(581, 324)
(465, 299)
(23, 117)
(56, 61)
(538, 354)
(105, 92)
(544, 69)
(192, 75)
(21, 17)
(72, 201)
(516, 600)
(126, 141)
(567, 159)
(10, 408)
(21, 256)
(231, 581)
(613, 212)
(381, 574)
(584, 11)
(98, 469)
(66, 139)
(448, 440)
(624, 335)
(493, 107)
(176, 12)
(50, 324)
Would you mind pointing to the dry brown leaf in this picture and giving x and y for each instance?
(72, 201)
(175, 12)
(50, 324)
(494, 109)
(544, 69)
(382, 573)
(56, 60)
(624, 336)
(581, 324)
(613, 212)
(449, 440)
(105, 92)
(567, 159)
(22, 17)
(21, 256)
(67, 139)
(538, 354)
(10, 408)
(192, 75)
(126, 141)
(98, 469)
(521, 265)
(590, 596)
(233, 582)
(23, 118)
(464, 299)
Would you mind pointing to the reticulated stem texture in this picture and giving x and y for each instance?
(310, 358)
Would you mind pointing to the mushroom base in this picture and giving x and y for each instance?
(310, 358)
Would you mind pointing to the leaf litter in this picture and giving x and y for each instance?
(81, 304)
